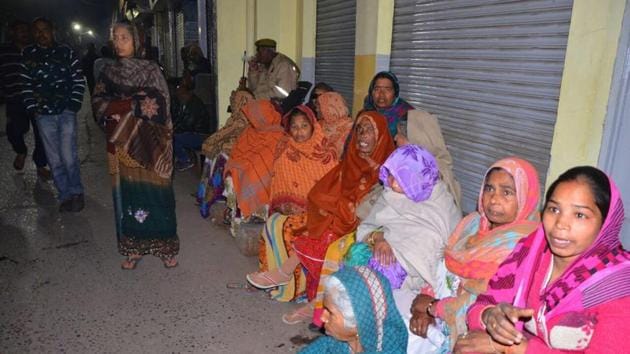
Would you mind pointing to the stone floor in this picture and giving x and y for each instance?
(62, 289)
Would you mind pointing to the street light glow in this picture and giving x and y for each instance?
(77, 27)
(90, 33)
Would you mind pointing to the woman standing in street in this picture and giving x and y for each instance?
(131, 101)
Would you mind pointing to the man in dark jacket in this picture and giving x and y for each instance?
(191, 125)
(52, 90)
(18, 120)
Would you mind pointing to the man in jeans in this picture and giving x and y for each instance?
(18, 121)
(52, 90)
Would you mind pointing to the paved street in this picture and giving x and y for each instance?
(62, 289)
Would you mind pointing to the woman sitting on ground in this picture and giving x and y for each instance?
(334, 118)
(507, 212)
(305, 156)
(409, 224)
(217, 148)
(248, 171)
(566, 287)
(319, 89)
(384, 97)
(360, 315)
(331, 208)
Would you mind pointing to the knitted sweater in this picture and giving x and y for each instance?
(52, 79)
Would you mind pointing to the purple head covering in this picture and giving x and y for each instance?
(415, 170)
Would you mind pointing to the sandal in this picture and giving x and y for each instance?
(302, 314)
(170, 262)
(265, 280)
(131, 262)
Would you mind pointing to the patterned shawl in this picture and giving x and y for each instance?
(335, 119)
(474, 251)
(379, 325)
(299, 166)
(252, 156)
(135, 92)
(415, 170)
(396, 111)
(333, 200)
(600, 274)
(224, 138)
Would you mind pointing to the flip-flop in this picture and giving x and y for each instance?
(302, 314)
(273, 283)
(132, 261)
(166, 262)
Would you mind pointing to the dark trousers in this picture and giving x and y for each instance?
(18, 124)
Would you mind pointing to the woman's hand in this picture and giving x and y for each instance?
(478, 342)
(382, 250)
(500, 320)
(420, 319)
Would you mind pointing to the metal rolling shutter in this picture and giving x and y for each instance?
(490, 70)
(334, 58)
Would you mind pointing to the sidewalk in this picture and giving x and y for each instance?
(62, 289)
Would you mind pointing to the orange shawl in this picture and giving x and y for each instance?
(299, 166)
(333, 200)
(252, 156)
(335, 119)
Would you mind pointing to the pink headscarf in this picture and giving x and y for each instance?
(600, 274)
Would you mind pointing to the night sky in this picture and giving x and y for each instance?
(93, 14)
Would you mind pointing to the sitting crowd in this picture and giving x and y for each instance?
(360, 221)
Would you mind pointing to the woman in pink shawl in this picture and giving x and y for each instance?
(566, 287)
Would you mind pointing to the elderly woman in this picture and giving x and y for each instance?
(507, 212)
(334, 118)
(217, 148)
(566, 287)
(360, 315)
(131, 101)
(319, 89)
(384, 97)
(407, 227)
(331, 208)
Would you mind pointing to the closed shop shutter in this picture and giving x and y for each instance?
(491, 72)
(334, 58)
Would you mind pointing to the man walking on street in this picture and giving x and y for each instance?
(52, 90)
(18, 121)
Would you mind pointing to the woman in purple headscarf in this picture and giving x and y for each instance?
(408, 225)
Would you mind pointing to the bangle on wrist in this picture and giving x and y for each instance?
(430, 308)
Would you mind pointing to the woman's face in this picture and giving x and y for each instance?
(571, 219)
(300, 128)
(383, 93)
(333, 322)
(123, 42)
(393, 184)
(366, 136)
(499, 198)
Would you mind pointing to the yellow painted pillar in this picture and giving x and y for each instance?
(232, 40)
(585, 89)
(372, 45)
